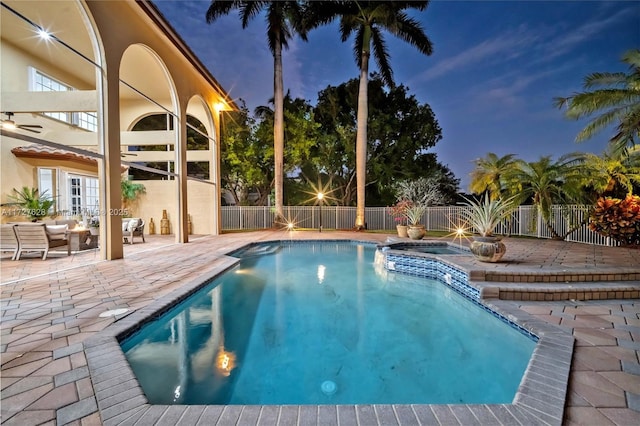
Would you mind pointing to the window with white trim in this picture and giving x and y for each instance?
(83, 195)
(41, 82)
(47, 185)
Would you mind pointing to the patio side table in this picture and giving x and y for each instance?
(81, 240)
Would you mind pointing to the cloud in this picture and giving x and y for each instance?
(543, 40)
(584, 33)
(500, 48)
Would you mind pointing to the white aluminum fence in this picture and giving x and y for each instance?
(523, 222)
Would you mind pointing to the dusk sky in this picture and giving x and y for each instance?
(491, 80)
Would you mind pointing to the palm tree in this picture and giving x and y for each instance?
(490, 174)
(546, 182)
(283, 21)
(366, 20)
(617, 99)
(612, 173)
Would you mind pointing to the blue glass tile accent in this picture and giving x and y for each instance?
(452, 277)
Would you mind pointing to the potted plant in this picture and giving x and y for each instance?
(398, 211)
(414, 214)
(32, 204)
(94, 225)
(417, 194)
(484, 216)
(130, 192)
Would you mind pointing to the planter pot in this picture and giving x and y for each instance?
(488, 249)
(402, 230)
(94, 231)
(416, 232)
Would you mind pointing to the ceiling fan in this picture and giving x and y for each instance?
(9, 124)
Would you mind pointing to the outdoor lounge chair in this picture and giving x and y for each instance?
(8, 240)
(34, 237)
(132, 227)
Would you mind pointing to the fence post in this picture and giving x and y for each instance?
(520, 221)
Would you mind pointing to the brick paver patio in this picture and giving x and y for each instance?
(49, 308)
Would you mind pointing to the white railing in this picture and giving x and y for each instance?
(523, 222)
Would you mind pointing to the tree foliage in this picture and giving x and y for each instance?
(367, 21)
(612, 174)
(548, 182)
(246, 161)
(401, 131)
(284, 20)
(615, 99)
(320, 147)
(490, 174)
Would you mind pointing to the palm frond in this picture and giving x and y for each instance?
(632, 57)
(605, 79)
(586, 103)
(220, 8)
(381, 54)
(359, 46)
(601, 122)
(412, 32)
(618, 102)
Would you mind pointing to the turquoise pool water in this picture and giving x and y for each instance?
(317, 323)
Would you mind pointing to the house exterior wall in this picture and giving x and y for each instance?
(122, 27)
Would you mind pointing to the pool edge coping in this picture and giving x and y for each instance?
(540, 398)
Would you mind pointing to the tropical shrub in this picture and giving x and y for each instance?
(618, 219)
(399, 210)
(130, 192)
(31, 203)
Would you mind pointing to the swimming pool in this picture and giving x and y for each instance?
(241, 339)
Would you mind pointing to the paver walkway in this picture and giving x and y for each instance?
(48, 311)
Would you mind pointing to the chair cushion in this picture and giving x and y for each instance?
(71, 223)
(133, 224)
(56, 232)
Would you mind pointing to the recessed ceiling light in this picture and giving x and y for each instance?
(44, 34)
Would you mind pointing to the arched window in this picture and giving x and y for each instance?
(196, 141)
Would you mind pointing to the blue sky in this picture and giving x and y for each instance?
(491, 80)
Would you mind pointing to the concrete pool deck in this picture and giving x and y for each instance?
(51, 308)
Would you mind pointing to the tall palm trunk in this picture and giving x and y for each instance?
(361, 134)
(278, 128)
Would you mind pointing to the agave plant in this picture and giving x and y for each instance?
(414, 214)
(486, 214)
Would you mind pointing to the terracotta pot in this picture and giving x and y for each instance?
(402, 230)
(416, 232)
(488, 249)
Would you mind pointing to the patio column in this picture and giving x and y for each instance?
(182, 229)
(109, 166)
(215, 173)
